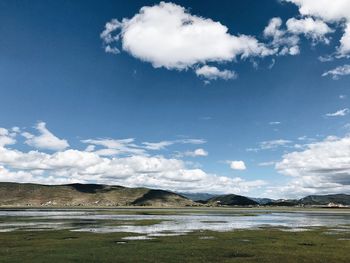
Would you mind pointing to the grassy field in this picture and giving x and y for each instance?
(267, 245)
(264, 245)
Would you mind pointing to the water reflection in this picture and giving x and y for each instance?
(100, 221)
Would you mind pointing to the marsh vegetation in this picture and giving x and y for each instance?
(174, 235)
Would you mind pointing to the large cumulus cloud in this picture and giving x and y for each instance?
(167, 35)
(323, 167)
(115, 162)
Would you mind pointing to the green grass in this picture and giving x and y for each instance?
(268, 245)
(265, 245)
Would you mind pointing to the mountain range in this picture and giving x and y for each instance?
(90, 195)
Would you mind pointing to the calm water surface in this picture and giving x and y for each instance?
(152, 223)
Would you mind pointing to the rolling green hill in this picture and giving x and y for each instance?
(18, 194)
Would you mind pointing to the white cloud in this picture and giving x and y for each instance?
(115, 147)
(16, 129)
(45, 139)
(200, 152)
(306, 138)
(90, 148)
(334, 10)
(273, 62)
(282, 42)
(127, 168)
(167, 35)
(267, 163)
(321, 168)
(344, 48)
(329, 11)
(293, 51)
(326, 58)
(338, 113)
(157, 145)
(338, 72)
(77, 166)
(274, 122)
(273, 28)
(213, 73)
(196, 153)
(273, 144)
(109, 37)
(311, 28)
(237, 165)
(6, 138)
(286, 41)
(191, 141)
(112, 50)
(3, 132)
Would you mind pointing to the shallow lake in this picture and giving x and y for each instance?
(150, 223)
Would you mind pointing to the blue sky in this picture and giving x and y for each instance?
(231, 104)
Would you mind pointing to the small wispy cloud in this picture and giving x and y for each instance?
(265, 145)
(155, 146)
(338, 113)
(306, 138)
(270, 145)
(191, 141)
(338, 72)
(196, 153)
(213, 73)
(110, 147)
(326, 58)
(267, 163)
(272, 64)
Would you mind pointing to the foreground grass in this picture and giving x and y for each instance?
(268, 245)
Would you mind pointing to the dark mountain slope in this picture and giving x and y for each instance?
(231, 200)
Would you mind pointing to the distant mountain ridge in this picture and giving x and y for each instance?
(26, 194)
(197, 196)
(18, 194)
(262, 201)
(314, 200)
(227, 200)
(343, 199)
